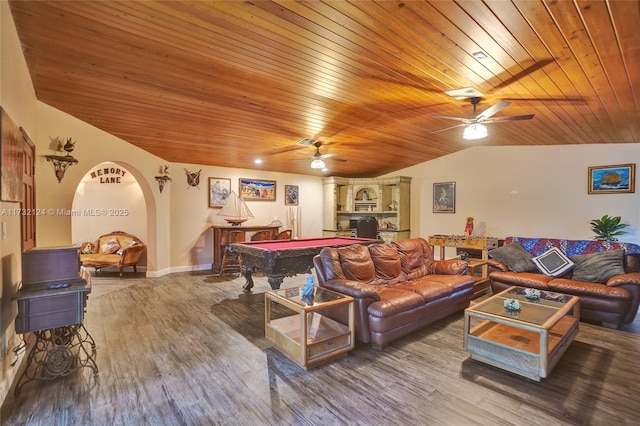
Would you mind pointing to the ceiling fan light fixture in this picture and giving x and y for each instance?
(317, 164)
(475, 131)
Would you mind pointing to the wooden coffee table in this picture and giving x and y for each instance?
(528, 342)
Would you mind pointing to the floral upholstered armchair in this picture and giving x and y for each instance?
(115, 249)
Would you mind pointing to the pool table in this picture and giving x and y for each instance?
(285, 258)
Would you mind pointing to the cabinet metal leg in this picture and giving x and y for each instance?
(58, 352)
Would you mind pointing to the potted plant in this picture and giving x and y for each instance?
(607, 228)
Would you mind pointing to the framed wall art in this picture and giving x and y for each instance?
(616, 179)
(444, 197)
(291, 195)
(219, 190)
(12, 157)
(257, 190)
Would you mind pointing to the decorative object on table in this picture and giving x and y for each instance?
(193, 178)
(444, 197)
(235, 210)
(512, 304)
(464, 256)
(468, 229)
(164, 177)
(607, 228)
(308, 287)
(61, 162)
(219, 190)
(257, 190)
(532, 294)
(393, 206)
(612, 179)
(291, 195)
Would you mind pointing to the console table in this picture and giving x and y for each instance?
(484, 244)
(220, 230)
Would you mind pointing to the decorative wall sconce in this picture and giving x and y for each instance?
(164, 178)
(62, 162)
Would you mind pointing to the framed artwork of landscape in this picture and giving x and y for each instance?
(616, 179)
(444, 197)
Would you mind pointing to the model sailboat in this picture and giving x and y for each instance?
(236, 210)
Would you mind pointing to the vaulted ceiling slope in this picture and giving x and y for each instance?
(221, 83)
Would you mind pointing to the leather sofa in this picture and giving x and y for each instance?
(114, 249)
(398, 287)
(612, 301)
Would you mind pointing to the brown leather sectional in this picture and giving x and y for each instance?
(614, 302)
(398, 287)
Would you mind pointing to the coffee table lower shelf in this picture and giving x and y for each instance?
(327, 339)
(529, 353)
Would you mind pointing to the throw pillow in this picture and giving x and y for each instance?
(553, 262)
(126, 246)
(514, 256)
(598, 267)
(110, 246)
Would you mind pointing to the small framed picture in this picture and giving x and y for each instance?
(291, 195)
(444, 197)
(257, 190)
(617, 179)
(219, 190)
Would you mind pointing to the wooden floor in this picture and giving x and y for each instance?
(189, 349)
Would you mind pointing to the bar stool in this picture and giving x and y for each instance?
(231, 261)
(284, 235)
(264, 235)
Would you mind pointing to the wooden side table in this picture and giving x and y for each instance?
(308, 336)
(484, 244)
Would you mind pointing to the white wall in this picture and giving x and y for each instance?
(535, 191)
(17, 97)
(191, 217)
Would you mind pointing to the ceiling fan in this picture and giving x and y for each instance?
(318, 158)
(475, 127)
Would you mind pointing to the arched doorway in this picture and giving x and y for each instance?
(110, 198)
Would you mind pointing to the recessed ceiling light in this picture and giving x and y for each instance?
(258, 161)
(479, 55)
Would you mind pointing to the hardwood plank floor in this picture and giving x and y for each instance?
(189, 349)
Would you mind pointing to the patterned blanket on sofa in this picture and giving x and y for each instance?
(537, 246)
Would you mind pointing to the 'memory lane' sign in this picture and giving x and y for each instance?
(108, 174)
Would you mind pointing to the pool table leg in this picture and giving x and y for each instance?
(246, 273)
(275, 281)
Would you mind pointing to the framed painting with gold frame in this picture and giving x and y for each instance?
(617, 179)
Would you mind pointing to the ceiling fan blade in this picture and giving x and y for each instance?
(493, 109)
(325, 156)
(448, 128)
(448, 117)
(509, 118)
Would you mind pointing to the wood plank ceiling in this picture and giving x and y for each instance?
(222, 83)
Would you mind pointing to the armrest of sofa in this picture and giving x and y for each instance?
(449, 267)
(497, 265)
(354, 289)
(632, 278)
(132, 253)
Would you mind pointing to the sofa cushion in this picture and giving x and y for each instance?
(110, 246)
(356, 263)
(598, 267)
(387, 264)
(394, 301)
(416, 257)
(514, 256)
(553, 262)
